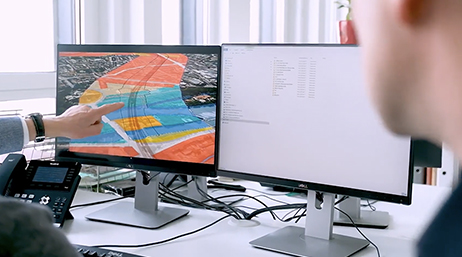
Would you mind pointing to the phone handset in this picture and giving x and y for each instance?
(13, 164)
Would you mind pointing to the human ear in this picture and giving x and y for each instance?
(412, 12)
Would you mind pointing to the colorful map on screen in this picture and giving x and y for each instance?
(169, 110)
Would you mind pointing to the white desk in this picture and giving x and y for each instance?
(223, 239)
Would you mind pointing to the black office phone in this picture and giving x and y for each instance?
(49, 183)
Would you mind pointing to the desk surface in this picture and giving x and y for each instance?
(226, 239)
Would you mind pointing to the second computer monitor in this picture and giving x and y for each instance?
(299, 116)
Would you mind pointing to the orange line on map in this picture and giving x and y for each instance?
(113, 150)
(150, 70)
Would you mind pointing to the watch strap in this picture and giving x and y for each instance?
(39, 127)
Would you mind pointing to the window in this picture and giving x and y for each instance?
(27, 49)
(130, 22)
(27, 31)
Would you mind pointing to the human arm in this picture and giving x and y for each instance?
(11, 134)
(78, 121)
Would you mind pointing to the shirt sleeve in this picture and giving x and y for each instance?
(443, 236)
(25, 130)
(11, 134)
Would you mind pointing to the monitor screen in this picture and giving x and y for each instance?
(170, 94)
(299, 116)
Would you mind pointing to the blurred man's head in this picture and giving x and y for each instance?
(413, 59)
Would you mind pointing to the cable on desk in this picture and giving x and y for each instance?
(169, 239)
(370, 205)
(180, 186)
(186, 201)
(175, 177)
(267, 208)
(240, 195)
(290, 206)
(296, 208)
(274, 208)
(222, 204)
(247, 196)
(165, 191)
(341, 199)
(271, 198)
(225, 205)
(300, 216)
(246, 207)
(166, 196)
(99, 202)
(295, 211)
(284, 218)
(171, 197)
(360, 232)
(214, 199)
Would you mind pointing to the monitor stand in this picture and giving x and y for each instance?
(146, 212)
(362, 218)
(197, 188)
(316, 239)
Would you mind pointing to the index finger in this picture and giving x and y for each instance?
(107, 108)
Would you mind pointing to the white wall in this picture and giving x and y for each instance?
(24, 85)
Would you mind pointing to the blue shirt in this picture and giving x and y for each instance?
(443, 238)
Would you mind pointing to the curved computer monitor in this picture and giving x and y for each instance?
(168, 121)
(299, 116)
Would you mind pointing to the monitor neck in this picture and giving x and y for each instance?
(320, 215)
(147, 196)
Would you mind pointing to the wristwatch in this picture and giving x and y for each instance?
(39, 127)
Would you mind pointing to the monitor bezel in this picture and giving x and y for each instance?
(186, 168)
(307, 185)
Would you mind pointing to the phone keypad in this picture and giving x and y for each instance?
(44, 200)
(58, 206)
(24, 196)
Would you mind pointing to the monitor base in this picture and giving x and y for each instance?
(292, 240)
(367, 219)
(124, 214)
(145, 212)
